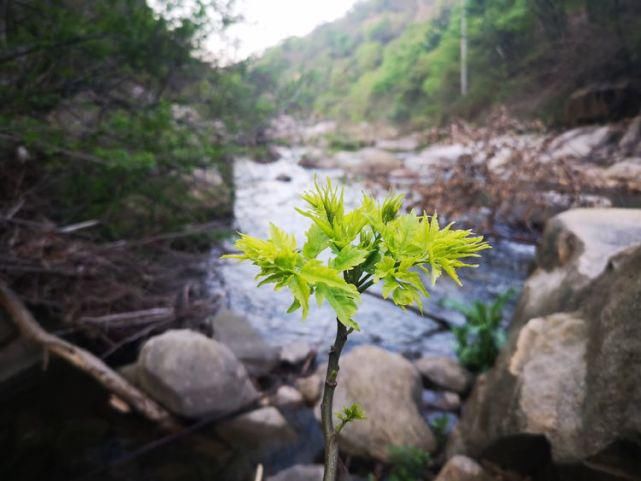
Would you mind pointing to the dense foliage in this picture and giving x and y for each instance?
(400, 61)
(370, 244)
(409, 463)
(480, 339)
(114, 111)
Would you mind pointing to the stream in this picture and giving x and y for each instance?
(268, 193)
(60, 426)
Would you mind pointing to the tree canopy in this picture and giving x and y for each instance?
(400, 61)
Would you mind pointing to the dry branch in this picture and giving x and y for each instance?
(131, 319)
(84, 360)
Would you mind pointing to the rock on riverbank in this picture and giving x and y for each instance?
(193, 375)
(564, 395)
(388, 387)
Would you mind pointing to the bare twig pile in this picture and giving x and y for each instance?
(510, 180)
(114, 293)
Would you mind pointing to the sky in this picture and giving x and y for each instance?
(267, 22)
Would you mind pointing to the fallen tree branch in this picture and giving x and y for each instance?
(131, 319)
(85, 361)
(78, 226)
(135, 337)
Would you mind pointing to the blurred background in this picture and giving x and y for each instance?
(137, 138)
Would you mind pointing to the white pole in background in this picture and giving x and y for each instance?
(463, 49)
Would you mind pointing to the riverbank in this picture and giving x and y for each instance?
(276, 358)
(505, 178)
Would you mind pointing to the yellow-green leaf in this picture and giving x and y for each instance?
(349, 257)
(301, 291)
(343, 301)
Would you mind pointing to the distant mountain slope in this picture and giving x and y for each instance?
(398, 60)
(339, 68)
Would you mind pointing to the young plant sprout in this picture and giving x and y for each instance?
(370, 244)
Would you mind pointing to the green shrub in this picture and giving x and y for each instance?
(480, 339)
(440, 427)
(340, 141)
(408, 463)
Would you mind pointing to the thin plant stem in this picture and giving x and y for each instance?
(327, 420)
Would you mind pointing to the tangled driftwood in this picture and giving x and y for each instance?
(114, 293)
(511, 180)
(83, 360)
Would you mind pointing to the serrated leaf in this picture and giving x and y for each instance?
(301, 291)
(343, 301)
(385, 267)
(452, 273)
(390, 247)
(325, 207)
(389, 286)
(317, 242)
(347, 231)
(391, 207)
(349, 257)
(372, 259)
(406, 295)
(315, 272)
(273, 278)
(281, 239)
(414, 279)
(293, 307)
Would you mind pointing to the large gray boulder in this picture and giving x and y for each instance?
(575, 250)
(235, 332)
(436, 157)
(287, 396)
(369, 161)
(388, 387)
(445, 373)
(295, 353)
(264, 426)
(310, 388)
(579, 142)
(193, 375)
(571, 370)
(462, 468)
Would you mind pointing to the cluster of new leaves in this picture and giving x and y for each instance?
(371, 243)
(354, 412)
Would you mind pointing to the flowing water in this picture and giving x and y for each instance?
(61, 427)
(268, 193)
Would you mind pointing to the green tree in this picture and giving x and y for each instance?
(94, 91)
(371, 244)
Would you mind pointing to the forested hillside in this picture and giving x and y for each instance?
(400, 60)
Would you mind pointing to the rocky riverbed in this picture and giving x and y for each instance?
(559, 403)
(262, 197)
